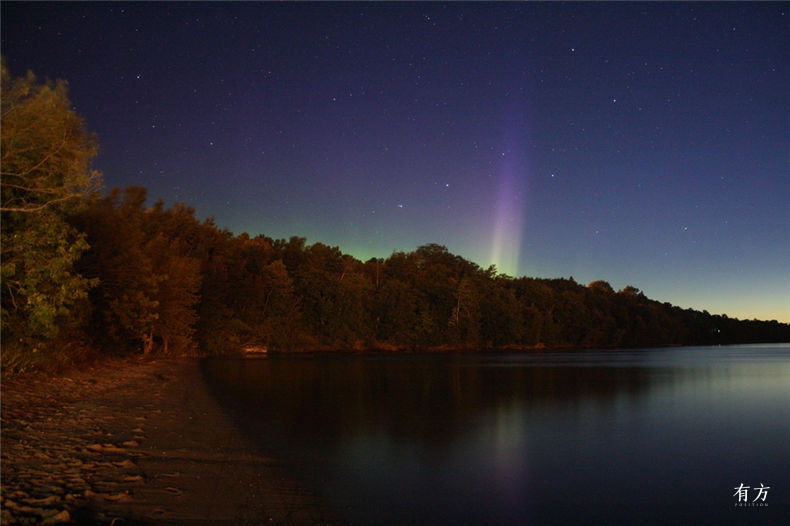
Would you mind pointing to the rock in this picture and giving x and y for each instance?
(118, 497)
(46, 501)
(125, 464)
(105, 448)
(59, 518)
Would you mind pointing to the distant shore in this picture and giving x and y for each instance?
(136, 442)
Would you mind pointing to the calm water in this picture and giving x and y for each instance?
(647, 436)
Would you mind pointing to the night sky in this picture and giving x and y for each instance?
(645, 144)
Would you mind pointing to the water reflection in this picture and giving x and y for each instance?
(428, 398)
(653, 435)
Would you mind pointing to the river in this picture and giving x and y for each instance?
(694, 435)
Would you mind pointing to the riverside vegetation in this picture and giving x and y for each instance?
(83, 270)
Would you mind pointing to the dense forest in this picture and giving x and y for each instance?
(84, 270)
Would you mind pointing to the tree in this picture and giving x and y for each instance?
(177, 294)
(46, 148)
(502, 316)
(45, 174)
(41, 290)
(601, 287)
(124, 302)
(149, 263)
(397, 315)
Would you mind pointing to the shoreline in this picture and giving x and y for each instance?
(136, 441)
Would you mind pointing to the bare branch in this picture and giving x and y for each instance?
(41, 206)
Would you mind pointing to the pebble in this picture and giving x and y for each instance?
(73, 446)
(60, 517)
(64, 450)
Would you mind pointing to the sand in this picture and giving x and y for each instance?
(136, 442)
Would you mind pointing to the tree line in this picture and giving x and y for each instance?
(83, 270)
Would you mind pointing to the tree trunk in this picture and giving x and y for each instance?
(148, 343)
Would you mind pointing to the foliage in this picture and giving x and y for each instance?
(172, 284)
(46, 156)
(46, 149)
(149, 278)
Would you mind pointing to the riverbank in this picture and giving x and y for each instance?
(136, 442)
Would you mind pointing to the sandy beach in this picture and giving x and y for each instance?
(136, 442)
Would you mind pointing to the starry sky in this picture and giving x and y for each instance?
(645, 144)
